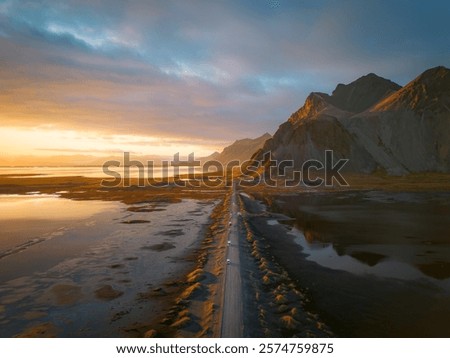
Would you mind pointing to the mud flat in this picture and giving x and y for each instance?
(369, 263)
(196, 306)
(275, 305)
(112, 273)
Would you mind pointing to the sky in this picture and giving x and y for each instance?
(158, 77)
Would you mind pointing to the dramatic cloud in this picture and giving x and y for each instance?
(200, 70)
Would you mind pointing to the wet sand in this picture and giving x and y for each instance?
(112, 274)
(155, 265)
(359, 304)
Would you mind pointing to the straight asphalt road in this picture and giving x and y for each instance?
(232, 314)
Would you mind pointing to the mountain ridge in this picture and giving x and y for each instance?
(362, 93)
(373, 122)
(433, 84)
(241, 150)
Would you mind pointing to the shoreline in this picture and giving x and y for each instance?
(274, 300)
(194, 310)
(351, 305)
(139, 204)
(284, 293)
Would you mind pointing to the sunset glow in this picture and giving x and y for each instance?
(153, 78)
(42, 142)
(271, 175)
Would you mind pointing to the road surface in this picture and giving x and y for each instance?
(232, 313)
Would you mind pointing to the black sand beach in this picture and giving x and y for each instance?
(151, 263)
(362, 305)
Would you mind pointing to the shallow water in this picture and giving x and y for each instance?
(375, 264)
(377, 260)
(92, 172)
(25, 219)
(94, 273)
(397, 235)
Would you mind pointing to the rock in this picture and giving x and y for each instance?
(375, 124)
(151, 333)
(107, 293)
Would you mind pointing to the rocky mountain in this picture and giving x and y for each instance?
(374, 123)
(362, 93)
(241, 150)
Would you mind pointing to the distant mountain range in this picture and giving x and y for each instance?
(373, 122)
(241, 150)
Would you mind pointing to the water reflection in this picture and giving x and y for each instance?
(36, 206)
(361, 262)
(91, 172)
(396, 235)
(27, 220)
